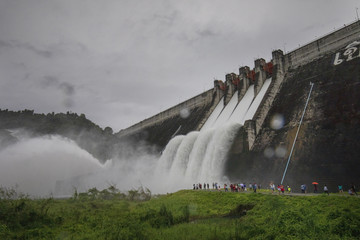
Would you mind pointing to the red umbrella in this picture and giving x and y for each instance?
(314, 183)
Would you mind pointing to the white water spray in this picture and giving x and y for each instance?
(197, 156)
(212, 168)
(181, 160)
(56, 166)
(209, 149)
(168, 155)
(35, 165)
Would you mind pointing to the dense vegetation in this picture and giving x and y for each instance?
(188, 214)
(101, 143)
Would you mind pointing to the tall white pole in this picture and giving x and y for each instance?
(297, 133)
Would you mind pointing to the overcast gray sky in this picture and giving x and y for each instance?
(121, 61)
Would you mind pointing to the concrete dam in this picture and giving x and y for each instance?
(247, 127)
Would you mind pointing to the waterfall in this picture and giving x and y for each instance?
(243, 106)
(213, 164)
(256, 103)
(200, 157)
(214, 115)
(197, 154)
(168, 155)
(225, 114)
(181, 160)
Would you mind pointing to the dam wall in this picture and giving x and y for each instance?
(323, 45)
(282, 65)
(326, 150)
(200, 100)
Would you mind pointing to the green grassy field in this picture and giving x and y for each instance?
(185, 214)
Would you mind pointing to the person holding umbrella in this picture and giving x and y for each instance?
(315, 186)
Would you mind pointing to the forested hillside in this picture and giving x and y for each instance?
(101, 143)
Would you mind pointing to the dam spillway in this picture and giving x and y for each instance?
(332, 112)
(200, 155)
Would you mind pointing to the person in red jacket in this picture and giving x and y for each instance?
(282, 189)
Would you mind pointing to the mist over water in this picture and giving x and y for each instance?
(34, 165)
(54, 165)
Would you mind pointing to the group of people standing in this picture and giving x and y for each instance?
(281, 189)
(200, 186)
(240, 187)
(351, 191)
(326, 190)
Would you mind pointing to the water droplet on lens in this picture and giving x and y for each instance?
(269, 152)
(277, 121)
(184, 113)
(280, 151)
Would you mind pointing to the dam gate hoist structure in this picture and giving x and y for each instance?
(243, 129)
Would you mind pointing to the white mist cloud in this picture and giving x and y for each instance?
(36, 164)
(53, 165)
